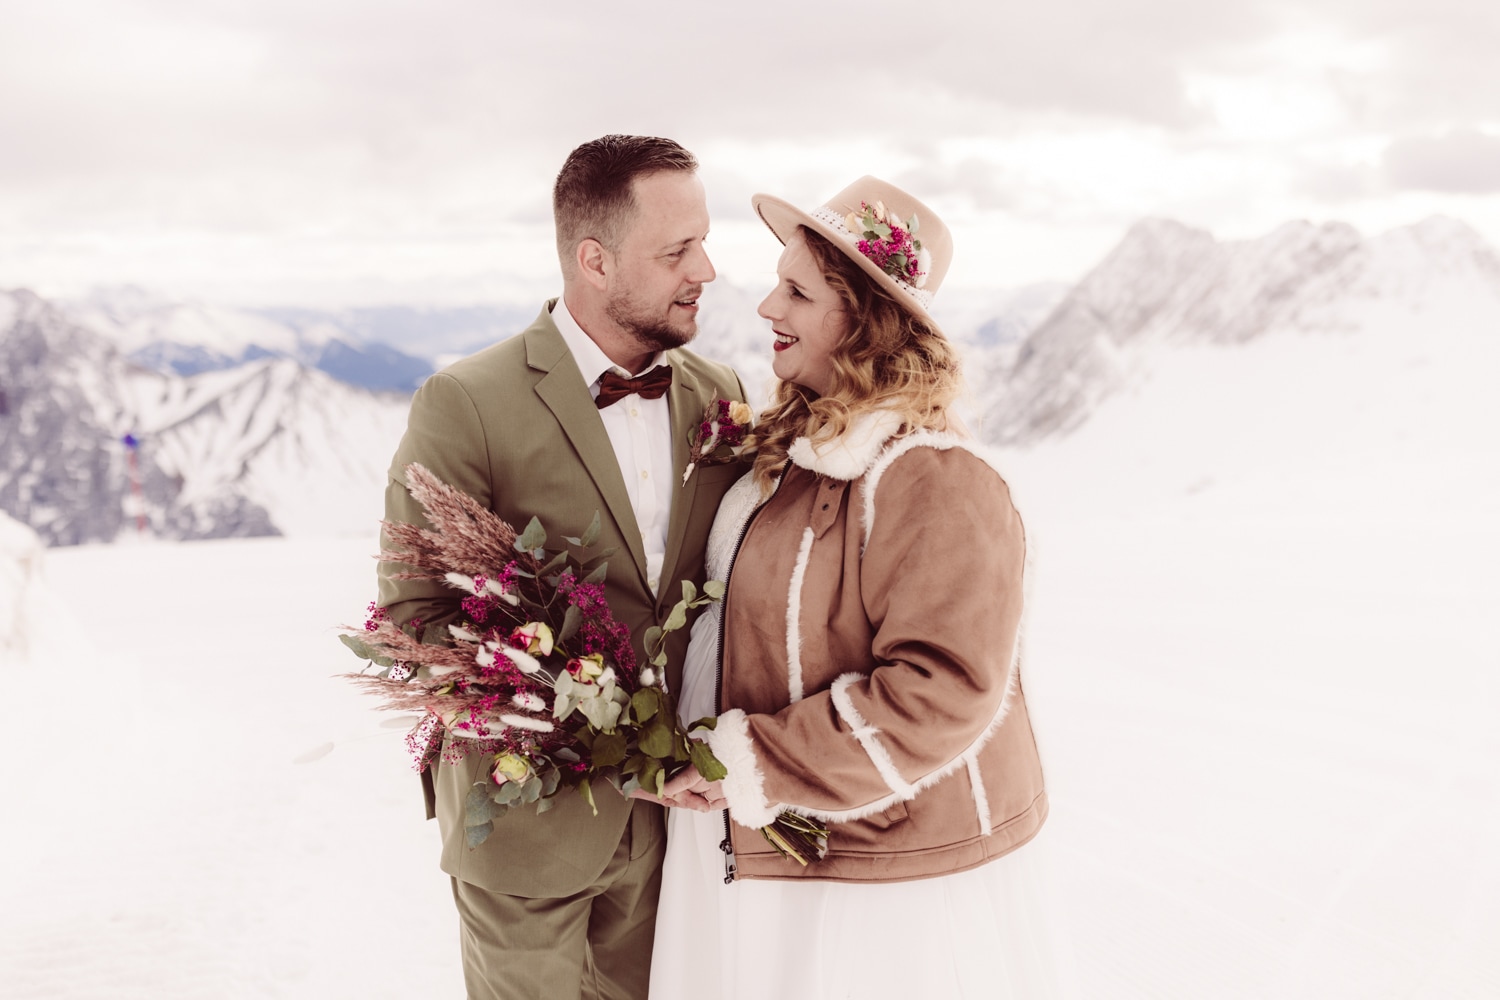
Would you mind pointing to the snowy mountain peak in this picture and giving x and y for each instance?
(1167, 284)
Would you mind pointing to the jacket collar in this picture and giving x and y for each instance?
(851, 454)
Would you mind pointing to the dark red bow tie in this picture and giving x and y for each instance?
(652, 385)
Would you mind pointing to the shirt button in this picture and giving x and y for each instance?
(652, 581)
(645, 474)
(634, 412)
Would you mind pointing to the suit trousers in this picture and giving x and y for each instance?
(592, 945)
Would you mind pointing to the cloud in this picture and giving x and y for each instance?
(1458, 162)
(395, 132)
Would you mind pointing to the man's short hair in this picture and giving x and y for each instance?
(592, 198)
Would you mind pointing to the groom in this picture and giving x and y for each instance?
(589, 409)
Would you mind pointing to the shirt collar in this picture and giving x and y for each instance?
(592, 362)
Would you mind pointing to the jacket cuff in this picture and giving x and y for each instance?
(743, 786)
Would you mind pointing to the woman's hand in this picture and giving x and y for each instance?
(688, 790)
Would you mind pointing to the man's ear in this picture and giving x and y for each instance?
(594, 263)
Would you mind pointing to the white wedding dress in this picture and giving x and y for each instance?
(983, 933)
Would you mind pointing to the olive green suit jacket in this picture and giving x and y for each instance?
(515, 427)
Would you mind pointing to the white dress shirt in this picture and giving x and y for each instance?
(641, 432)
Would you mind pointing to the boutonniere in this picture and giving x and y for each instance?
(720, 435)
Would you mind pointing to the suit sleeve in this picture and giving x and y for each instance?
(444, 434)
(941, 583)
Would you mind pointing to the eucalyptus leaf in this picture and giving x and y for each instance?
(644, 703)
(714, 589)
(478, 807)
(652, 637)
(508, 793)
(533, 538)
(882, 230)
(476, 835)
(545, 804)
(357, 646)
(588, 795)
(704, 760)
(572, 618)
(554, 562)
(609, 749)
(656, 738)
(591, 534)
(707, 722)
(689, 592)
(653, 777)
(676, 619)
(598, 575)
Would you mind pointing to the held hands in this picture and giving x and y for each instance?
(688, 790)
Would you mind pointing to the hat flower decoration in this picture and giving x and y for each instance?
(891, 245)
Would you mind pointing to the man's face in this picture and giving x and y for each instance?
(660, 267)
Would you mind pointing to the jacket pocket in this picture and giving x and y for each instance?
(887, 819)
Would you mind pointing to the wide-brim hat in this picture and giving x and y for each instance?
(892, 205)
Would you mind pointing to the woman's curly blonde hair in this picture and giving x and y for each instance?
(889, 359)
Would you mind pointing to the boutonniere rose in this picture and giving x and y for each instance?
(720, 435)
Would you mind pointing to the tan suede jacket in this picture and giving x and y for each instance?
(871, 662)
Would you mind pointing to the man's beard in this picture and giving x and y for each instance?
(654, 334)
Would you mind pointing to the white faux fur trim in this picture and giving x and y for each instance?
(847, 456)
(941, 441)
(1012, 684)
(866, 734)
(981, 797)
(794, 618)
(902, 790)
(744, 786)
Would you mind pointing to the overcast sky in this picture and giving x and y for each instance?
(356, 152)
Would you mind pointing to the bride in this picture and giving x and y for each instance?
(864, 664)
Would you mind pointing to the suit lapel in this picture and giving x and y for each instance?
(688, 399)
(561, 388)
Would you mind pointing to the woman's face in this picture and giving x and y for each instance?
(807, 317)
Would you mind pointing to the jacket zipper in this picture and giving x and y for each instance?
(727, 844)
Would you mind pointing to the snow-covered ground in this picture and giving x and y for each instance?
(1259, 663)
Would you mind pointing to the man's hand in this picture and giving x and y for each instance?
(688, 790)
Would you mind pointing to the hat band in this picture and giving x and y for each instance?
(835, 222)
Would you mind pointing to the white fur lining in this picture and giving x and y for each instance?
(939, 440)
(866, 733)
(847, 456)
(744, 786)
(794, 618)
(981, 797)
(1012, 684)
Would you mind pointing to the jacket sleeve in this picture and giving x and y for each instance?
(444, 434)
(941, 582)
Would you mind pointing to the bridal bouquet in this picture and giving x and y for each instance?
(539, 677)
